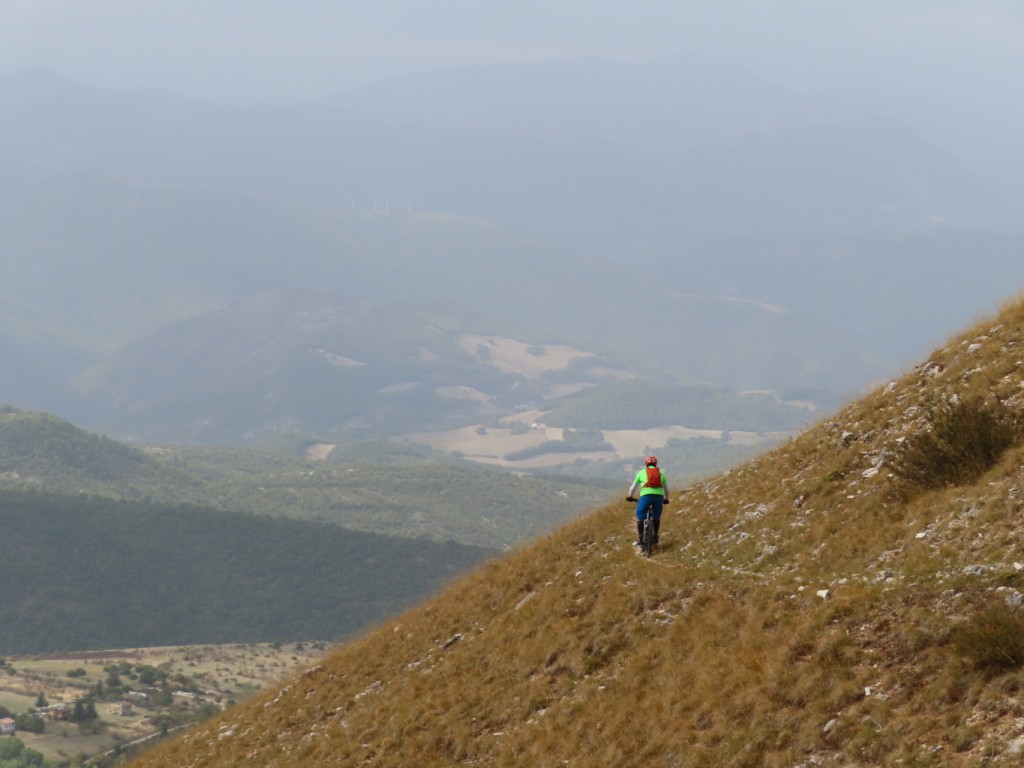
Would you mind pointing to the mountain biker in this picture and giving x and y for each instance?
(650, 482)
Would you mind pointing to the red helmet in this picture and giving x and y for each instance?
(651, 461)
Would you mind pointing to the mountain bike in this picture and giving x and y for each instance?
(647, 533)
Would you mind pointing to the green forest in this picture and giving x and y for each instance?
(87, 572)
(14, 754)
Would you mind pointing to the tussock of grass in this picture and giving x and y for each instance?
(966, 438)
(799, 612)
(992, 639)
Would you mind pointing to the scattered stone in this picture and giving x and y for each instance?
(823, 593)
(525, 600)
(374, 686)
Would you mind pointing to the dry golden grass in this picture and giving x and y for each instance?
(798, 613)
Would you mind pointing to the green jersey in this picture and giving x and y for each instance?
(649, 480)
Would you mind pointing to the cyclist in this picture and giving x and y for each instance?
(652, 486)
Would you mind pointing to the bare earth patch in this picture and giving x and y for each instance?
(511, 356)
(488, 447)
(319, 451)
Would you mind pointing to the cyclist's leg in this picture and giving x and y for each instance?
(657, 505)
(641, 514)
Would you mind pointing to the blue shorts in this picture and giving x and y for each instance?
(653, 500)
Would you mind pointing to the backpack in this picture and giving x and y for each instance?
(653, 478)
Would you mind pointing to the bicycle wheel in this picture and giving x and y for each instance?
(648, 538)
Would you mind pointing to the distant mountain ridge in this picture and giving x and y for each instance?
(738, 150)
(657, 107)
(583, 175)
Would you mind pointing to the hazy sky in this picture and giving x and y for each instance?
(947, 65)
(258, 49)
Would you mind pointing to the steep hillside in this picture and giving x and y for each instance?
(848, 599)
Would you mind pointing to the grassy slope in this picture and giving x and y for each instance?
(798, 613)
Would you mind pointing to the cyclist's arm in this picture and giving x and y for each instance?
(634, 489)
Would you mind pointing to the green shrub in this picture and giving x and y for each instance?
(966, 439)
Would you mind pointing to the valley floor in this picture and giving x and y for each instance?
(163, 688)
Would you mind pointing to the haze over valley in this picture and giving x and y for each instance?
(184, 271)
(322, 319)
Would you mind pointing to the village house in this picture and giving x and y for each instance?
(120, 708)
(57, 711)
(6, 726)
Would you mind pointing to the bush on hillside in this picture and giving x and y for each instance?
(992, 640)
(967, 437)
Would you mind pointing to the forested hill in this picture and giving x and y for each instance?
(83, 573)
(851, 598)
(373, 486)
(39, 448)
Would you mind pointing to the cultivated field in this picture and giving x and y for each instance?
(491, 445)
(511, 356)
